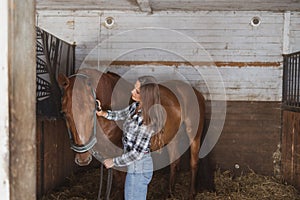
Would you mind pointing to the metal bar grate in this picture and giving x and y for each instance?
(54, 56)
(291, 81)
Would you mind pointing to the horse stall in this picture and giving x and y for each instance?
(291, 118)
(230, 51)
(54, 156)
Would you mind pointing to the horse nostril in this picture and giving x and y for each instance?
(90, 159)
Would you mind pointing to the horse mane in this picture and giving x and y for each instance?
(93, 69)
(112, 74)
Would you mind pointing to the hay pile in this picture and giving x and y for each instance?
(251, 186)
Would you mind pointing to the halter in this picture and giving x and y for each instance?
(93, 140)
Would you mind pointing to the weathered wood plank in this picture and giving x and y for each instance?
(224, 5)
(295, 32)
(222, 34)
(249, 142)
(87, 4)
(291, 147)
(245, 83)
(156, 5)
(55, 158)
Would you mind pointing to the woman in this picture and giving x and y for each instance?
(142, 119)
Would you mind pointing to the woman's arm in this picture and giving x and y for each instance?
(117, 114)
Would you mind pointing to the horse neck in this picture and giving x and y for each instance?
(104, 84)
(99, 78)
(105, 89)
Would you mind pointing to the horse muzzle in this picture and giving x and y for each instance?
(83, 159)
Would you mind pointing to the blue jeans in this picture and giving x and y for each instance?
(138, 177)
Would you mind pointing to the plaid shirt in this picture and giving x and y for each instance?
(136, 135)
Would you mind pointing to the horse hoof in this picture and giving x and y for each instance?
(191, 197)
(170, 195)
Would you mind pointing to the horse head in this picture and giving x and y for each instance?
(90, 134)
(78, 107)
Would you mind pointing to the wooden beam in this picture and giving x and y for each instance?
(286, 33)
(144, 5)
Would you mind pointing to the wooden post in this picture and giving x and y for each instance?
(286, 33)
(22, 95)
(4, 116)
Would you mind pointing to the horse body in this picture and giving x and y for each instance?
(78, 104)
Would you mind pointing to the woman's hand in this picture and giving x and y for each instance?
(99, 110)
(98, 105)
(108, 163)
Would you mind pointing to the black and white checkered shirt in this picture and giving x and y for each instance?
(136, 135)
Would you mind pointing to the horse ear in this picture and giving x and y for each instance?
(63, 81)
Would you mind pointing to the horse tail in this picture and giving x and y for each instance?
(206, 169)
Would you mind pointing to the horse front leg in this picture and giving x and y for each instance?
(174, 167)
(118, 184)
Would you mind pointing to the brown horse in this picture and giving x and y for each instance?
(78, 103)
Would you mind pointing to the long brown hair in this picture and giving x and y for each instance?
(153, 115)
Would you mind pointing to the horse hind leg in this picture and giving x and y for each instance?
(195, 147)
(194, 153)
(174, 166)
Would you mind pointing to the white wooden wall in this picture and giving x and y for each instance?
(249, 59)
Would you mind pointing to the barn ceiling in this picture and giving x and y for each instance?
(159, 5)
